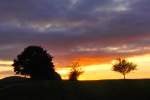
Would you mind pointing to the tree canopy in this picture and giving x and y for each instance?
(35, 62)
(123, 66)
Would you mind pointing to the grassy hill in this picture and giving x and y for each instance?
(23, 89)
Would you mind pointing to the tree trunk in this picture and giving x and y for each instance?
(124, 76)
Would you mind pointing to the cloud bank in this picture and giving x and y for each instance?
(89, 30)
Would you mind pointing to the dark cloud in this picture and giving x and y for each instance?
(72, 29)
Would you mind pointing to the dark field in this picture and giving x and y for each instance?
(21, 89)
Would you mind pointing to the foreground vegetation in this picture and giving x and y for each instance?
(24, 89)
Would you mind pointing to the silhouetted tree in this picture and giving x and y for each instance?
(35, 62)
(123, 66)
(75, 72)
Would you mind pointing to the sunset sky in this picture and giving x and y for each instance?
(93, 32)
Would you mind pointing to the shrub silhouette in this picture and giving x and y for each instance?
(35, 62)
(123, 66)
(75, 72)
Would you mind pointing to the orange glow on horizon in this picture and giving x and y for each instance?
(99, 71)
(2, 62)
(104, 71)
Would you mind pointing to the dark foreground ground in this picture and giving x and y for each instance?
(21, 89)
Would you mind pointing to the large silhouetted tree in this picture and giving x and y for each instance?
(123, 66)
(35, 62)
(75, 72)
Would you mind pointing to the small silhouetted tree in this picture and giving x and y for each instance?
(124, 67)
(35, 62)
(75, 72)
